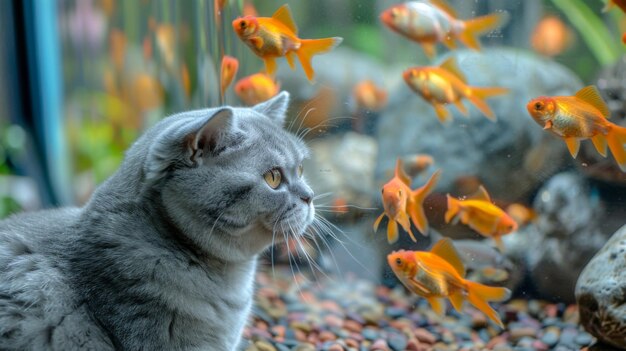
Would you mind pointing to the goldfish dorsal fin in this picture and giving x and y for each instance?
(444, 249)
(450, 65)
(480, 194)
(445, 7)
(401, 174)
(591, 95)
(283, 15)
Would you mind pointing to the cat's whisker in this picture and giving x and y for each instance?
(321, 196)
(295, 280)
(320, 234)
(344, 206)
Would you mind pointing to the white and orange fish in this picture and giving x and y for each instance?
(403, 205)
(368, 96)
(418, 163)
(445, 84)
(440, 274)
(480, 214)
(277, 36)
(551, 36)
(431, 22)
(579, 117)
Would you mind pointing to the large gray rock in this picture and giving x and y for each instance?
(570, 229)
(601, 292)
(512, 156)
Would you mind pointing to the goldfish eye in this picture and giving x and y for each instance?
(394, 13)
(399, 192)
(398, 262)
(242, 24)
(538, 105)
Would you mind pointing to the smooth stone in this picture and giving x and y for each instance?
(583, 339)
(600, 292)
(263, 345)
(397, 342)
(550, 338)
(370, 334)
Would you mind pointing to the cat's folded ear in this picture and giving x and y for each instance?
(189, 140)
(275, 108)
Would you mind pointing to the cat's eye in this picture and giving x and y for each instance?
(273, 178)
(300, 171)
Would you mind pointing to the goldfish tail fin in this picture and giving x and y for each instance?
(377, 222)
(416, 205)
(453, 208)
(616, 138)
(477, 26)
(392, 231)
(478, 95)
(312, 47)
(479, 295)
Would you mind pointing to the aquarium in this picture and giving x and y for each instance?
(465, 173)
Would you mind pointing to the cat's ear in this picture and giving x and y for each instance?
(219, 133)
(188, 140)
(275, 108)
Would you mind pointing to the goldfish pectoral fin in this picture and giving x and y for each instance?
(257, 42)
(430, 50)
(419, 218)
(479, 295)
(392, 231)
(499, 243)
(310, 47)
(377, 222)
(437, 305)
(459, 105)
(446, 250)
(573, 145)
(599, 141)
(270, 65)
(548, 125)
(290, 59)
(442, 113)
(456, 299)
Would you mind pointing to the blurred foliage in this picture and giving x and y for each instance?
(11, 143)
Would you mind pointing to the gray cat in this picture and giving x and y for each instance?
(163, 255)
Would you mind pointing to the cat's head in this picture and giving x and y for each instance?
(232, 178)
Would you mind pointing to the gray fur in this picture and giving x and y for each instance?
(163, 255)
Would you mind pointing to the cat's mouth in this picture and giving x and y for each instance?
(294, 221)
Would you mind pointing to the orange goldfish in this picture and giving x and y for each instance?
(551, 36)
(445, 84)
(521, 214)
(230, 65)
(277, 36)
(439, 274)
(432, 22)
(416, 164)
(480, 214)
(612, 3)
(256, 88)
(368, 96)
(579, 117)
(400, 203)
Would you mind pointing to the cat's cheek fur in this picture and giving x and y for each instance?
(163, 256)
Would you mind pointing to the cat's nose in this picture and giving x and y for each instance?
(306, 199)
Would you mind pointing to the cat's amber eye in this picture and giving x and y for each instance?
(300, 171)
(273, 178)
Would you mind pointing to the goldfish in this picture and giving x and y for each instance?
(256, 88)
(368, 96)
(432, 22)
(480, 214)
(579, 117)
(445, 84)
(439, 274)
(229, 68)
(612, 3)
(416, 164)
(401, 203)
(340, 206)
(520, 213)
(551, 36)
(277, 36)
